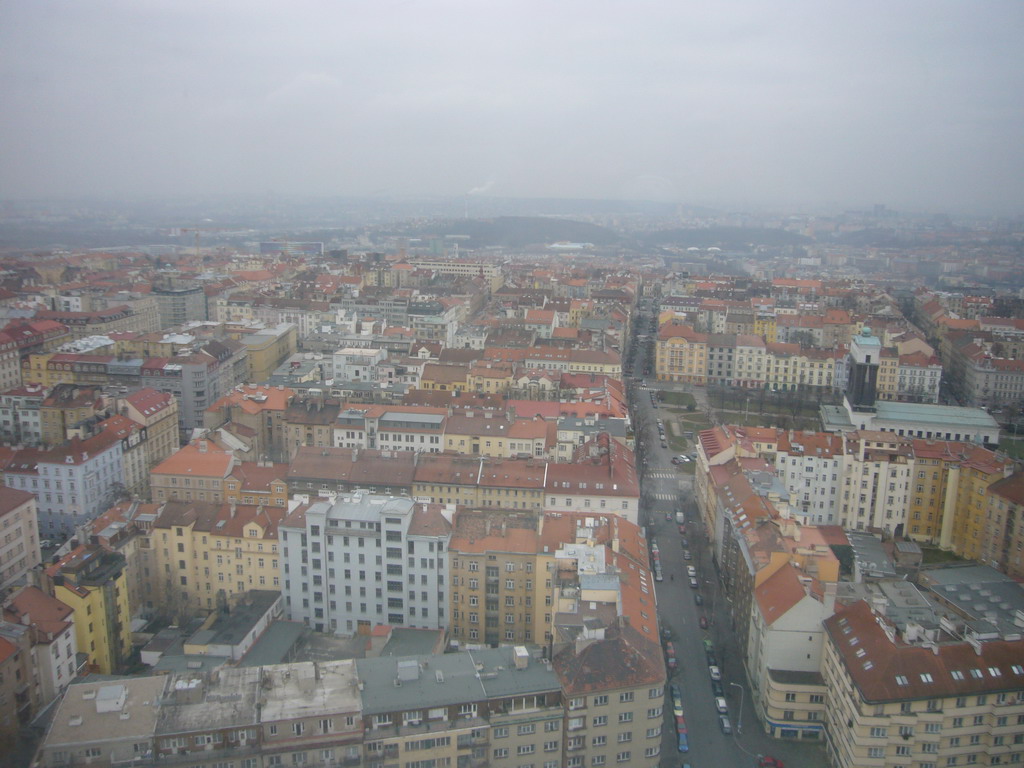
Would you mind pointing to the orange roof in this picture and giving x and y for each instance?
(199, 459)
(254, 398)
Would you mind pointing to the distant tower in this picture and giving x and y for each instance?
(865, 355)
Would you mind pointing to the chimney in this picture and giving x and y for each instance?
(203, 446)
(233, 509)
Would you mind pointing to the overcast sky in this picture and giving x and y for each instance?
(918, 105)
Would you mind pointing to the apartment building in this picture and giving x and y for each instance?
(897, 699)
(480, 483)
(205, 553)
(613, 684)
(260, 411)
(18, 700)
(495, 588)
(54, 645)
(72, 483)
(601, 478)
(359, 560)
(157, 412)
(196, 471)
(1003, 543)
(784, 652)
(91, 581)
(19, 526)
(20, 420)
(324, 471)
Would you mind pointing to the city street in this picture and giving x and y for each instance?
(665, 491)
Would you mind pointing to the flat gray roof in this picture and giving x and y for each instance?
(275, 645)
(78, 723)
(223, 699)
(952, 415)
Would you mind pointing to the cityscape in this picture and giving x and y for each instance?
(594, 503)
(531, 385)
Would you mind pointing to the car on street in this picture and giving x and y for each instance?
(682, 529)
(698, 599)
(664, 444)
(684, 743)
(711, 658)
(658, 574)
(691, 571)
(721, 705)
(693, 583)
(716, 688)
(677, 700)
(687, 555)
(703, 622)
(670, 655)
(680, 724)
(725, 725)
(708, 645)
(715, 672)
(767, 761)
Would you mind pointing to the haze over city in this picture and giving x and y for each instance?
(915, 105)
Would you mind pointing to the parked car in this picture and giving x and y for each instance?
(680, 724)
(684, 744)
(691, 571)
(725, 725)
(703, 622)
(670, 655)
(716, 688)
(715, 672)
(721, 705)
(684, 542)
(687, 555)
(711, 658)
(693, 583)
(767, 761)
(708, 645)
(698, 599)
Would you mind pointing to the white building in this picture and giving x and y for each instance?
(54, 642)
(811, 465)
(19, 546)
(355, 561)
(356, 364)
(72, 483)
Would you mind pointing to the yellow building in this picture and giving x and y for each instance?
(888, 375)
(764, 326)
(92, 582)
(443, 377)
(207, 553)
(267, 348)
(493, 595)
(490, 377)
(681, 354)
(948, 503)
(480, 483)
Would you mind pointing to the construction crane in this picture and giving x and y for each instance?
(198, 231)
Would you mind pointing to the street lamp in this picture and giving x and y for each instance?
(739, 720)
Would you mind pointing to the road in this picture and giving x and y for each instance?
(665, 489)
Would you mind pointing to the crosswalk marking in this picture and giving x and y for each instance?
(662, 473)
(665, 496)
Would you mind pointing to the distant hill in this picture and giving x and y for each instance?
(521, 231)
(727, 238)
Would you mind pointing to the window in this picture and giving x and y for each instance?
(625, 736)
(625, 717)
(625, 697)
(527, 729)
(600, 701)
(501, 752)
(623, 757)
(599, 741)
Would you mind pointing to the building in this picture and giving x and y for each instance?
(18, 696)
(497, 592)
(1003, 530)
(206, 554)
(54, 643)
(359, 560)
(911, 699)
(197, 471)
(72, 483)
(19, 548)
(179, 303)
(91, 581)
(484, 707)
(20, 421)
(267, 348)
(261, 412)
(784, 651)
(157, 412)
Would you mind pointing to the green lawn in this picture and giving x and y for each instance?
(1011, 447)
(678, 398)
(934, 555)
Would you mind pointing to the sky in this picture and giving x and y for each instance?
(918, 105)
